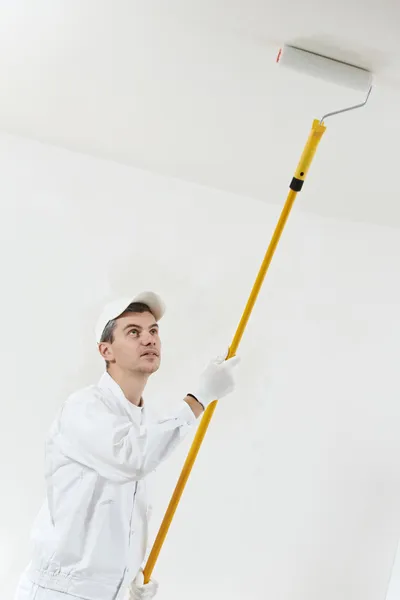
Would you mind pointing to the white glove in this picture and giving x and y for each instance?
(139, 591)
(216, 381)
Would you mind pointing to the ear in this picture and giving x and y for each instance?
(106, 351)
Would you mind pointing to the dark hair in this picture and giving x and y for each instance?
(108, 331)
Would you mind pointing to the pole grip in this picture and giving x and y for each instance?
(316, 133)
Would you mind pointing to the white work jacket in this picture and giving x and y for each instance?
(90, 537)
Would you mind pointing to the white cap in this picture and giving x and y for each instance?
(114, 309)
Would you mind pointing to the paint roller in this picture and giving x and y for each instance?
(327, 69)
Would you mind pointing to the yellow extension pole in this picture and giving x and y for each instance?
(304, 164)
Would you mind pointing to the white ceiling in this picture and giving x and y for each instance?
(191, 90)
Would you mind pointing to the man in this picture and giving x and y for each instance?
(90, 537)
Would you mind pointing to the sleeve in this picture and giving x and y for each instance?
(92, 434)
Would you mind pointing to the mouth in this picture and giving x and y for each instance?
(150, 353)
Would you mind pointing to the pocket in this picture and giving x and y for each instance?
(47, 594)
(27, 590)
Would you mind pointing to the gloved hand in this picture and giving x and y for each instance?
(216, 381)
(139, 591)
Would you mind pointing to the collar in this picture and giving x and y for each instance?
(106, 382)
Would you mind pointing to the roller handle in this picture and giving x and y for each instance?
(300, 174)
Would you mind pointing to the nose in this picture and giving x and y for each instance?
(147, 338)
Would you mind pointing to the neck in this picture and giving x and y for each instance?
(131, 383)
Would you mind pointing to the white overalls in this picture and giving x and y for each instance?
(90, 537)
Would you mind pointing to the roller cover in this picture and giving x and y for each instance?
(325, 68)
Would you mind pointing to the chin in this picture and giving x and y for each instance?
(150, 368)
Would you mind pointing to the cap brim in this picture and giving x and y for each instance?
(153, 301)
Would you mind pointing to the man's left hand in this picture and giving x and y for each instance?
(140, 591)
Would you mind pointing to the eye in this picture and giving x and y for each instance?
(154, 331)
(133, 331)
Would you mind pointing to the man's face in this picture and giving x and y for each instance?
(136, 346)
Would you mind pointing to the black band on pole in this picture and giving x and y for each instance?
(296, 184)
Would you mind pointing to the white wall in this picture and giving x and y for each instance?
(296, 493)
